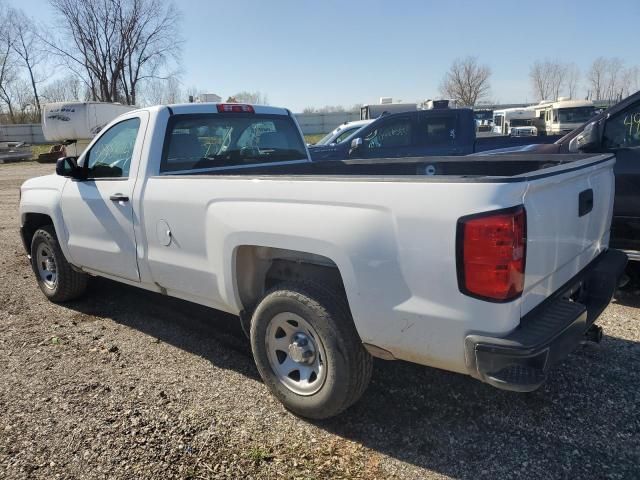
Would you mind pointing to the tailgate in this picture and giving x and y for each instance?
(568, 221)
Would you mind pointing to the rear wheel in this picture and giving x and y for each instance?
(57, 280)
(308, 351)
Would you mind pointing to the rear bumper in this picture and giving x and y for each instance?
(548, 333)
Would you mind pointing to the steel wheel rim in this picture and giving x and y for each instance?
(296, 353)
(47, 268)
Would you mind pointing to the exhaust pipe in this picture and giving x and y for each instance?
(593, 334)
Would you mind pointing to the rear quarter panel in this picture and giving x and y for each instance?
(393, 242)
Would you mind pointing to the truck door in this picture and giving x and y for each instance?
(622, 136)
(439, 134)
(390, 137)
(98, 211)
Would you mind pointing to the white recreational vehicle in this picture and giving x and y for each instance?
(562, 116)
(515, 122)
(72, 125)
(386, 106)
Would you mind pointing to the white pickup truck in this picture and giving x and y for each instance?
(495, 267)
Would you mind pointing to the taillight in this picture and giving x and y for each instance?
(491, 253)
(234, 108)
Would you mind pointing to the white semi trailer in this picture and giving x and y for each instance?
(72, 125)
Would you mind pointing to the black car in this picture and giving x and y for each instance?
(617, 130)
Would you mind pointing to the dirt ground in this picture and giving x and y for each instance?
(129, 384)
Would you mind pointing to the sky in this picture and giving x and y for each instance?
(313, 53)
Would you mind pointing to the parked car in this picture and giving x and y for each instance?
(495, 268)
(340, 133)
(450, 131)
(616, 130)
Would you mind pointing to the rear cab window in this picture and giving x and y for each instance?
(229, 140)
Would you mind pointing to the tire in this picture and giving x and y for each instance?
(345, 366)
(57, 280)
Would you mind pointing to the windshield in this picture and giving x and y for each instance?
(575, 115)
(521, 122)
(338, 135)
(326, 139)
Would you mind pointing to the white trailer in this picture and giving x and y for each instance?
(562, 116)
(74, 124)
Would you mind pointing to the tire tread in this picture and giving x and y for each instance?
(71, 284)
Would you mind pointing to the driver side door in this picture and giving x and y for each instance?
(97, 210)
(391, 137)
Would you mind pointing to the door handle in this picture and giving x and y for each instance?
(118, 197)
(585, 202)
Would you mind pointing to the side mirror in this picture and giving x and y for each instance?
(587, 140)
(68, 167)
(356, 143)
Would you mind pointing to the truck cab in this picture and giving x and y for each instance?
(407, 134)
(444, 131)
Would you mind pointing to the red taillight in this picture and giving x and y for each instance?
(491, 254)
(234, 108)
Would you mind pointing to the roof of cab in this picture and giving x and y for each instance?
(187, 108)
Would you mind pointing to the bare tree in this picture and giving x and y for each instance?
(631, 80)
(596, 77)
(572, 80)
(161, 92)
(24, 110)
(192, 93)
(149, 30)
(608, 79)
(467, 81)
(65, 89)
(325, 109)
(28, 48)
(547, 78)
(257, 98)
(8, 72)
(615, 76)
(114, 45)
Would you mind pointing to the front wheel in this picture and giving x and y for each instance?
(308, 351)
(57, 280)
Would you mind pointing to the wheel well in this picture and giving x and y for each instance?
(32, 222)
(258, 269)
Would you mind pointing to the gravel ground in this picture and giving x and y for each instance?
(130, 384)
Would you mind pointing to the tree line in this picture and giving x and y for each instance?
(112, 51)
(608, 79)
(129, 51)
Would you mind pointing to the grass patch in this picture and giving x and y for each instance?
(258, 455)
(38, 149)
(313, 138)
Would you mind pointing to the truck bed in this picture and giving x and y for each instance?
(503, 168)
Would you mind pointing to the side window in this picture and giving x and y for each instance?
(394, 133)
(345, 134)
(438, 130)
(110, 156)
(623, 129)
